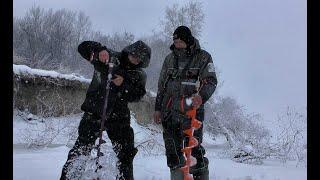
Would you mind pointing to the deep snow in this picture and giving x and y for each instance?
(46, 163)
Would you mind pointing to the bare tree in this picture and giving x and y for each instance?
(31, 35)
(43, 37)
(291, 139)
(82, 27)
(248, 139)
(116, 41)
(60, 31)
(48, 39)
(190, 15)
(160, 49)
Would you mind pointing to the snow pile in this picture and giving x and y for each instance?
(25, 70)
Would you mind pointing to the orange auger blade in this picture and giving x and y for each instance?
(192, 112)
(188, 132)
(193, 142)
(195, 123)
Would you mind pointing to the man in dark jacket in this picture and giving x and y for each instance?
(187, 80)
(128, 85)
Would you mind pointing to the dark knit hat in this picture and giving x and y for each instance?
(140, 50)
(184, 33)
(101, 48)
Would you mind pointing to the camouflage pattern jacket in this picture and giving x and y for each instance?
(182, 74)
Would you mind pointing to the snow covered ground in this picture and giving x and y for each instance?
(23, 69)
(46, 163)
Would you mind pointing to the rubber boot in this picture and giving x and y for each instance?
(201, 170)
(176, 174)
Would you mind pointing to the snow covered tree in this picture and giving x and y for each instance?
(29, 35)
(190, 14)
(160, 49)
(116, 41)
(48, 39)
(44, 37)
(246, 136)
(291, 137)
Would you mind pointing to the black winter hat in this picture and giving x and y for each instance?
(141, 50)
(101, 48)
(184, 33)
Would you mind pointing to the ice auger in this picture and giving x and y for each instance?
(104, 114)
(192, 141)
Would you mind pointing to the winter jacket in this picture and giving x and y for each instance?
(179, 75)
(131, 90)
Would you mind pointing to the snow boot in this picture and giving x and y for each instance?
(200, 171)
(125, 164)
(203, 176)
(126, 172)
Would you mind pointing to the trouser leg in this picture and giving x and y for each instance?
(200, 171)
(122, 138)
(176, 174)
(88, 131)
(173, 137)
(173, 140)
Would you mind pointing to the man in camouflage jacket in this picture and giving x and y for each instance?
(128, 85)
(187, 80)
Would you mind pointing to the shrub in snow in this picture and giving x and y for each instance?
(291, 139)
(41, 132)
(29, 117)
(253, 144)
(148, 138)
(47, 93)
(247, 138)
(246, 154)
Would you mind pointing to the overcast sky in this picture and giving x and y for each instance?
(260, 47)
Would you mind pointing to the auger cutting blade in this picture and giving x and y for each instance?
(196, 123)
(193, 142)
(188, 132)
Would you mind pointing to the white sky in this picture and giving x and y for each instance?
(260, 47)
